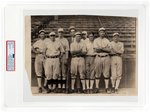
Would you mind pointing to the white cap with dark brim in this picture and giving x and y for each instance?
(101, 29)
(114, 34)
(84, 32)
(72, 27)
(60, 30)
(78, 33)
(52, 33)
(41, 31)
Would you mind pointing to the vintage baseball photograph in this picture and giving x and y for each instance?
(81, 55)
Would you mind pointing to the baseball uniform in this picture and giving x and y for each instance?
(64, 42)
(102, 60)
(89, 60)
(116, 59)
(39, 45)
(52, 63)
(78, 63)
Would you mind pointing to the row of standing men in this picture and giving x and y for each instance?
(88, 56)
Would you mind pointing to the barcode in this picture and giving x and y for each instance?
(10, 55)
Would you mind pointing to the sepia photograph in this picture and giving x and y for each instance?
(82, 55)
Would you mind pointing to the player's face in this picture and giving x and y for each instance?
(52, 37)
(115, 38)
(42, 35)
(60, 34)
(84, 35)
(72, 32)
(78, 38)
(91, 37)
(101, 33)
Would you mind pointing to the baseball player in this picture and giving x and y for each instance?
(89, 60)
(84, 35)
(117, 49)
(102, 60)
(39, 48)
(78, 51)
(71, 39)
(54, 50)
(64, 58)
(72, 30)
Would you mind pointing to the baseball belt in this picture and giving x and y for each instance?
(53, 56)
(102, 56)
(115, 54)
(77, 56)
(90, 55)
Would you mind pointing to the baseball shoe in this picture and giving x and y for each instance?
(96, 90)
(90, 91)
(55, 90)
(48, 90)
(59, 90)
(116, 91)
(63, 90)
(45, 87)
(79, 91)
(107, 91)
(40, 90)
(67, 91)
(84, 91)
(113, 90)
(72, 91)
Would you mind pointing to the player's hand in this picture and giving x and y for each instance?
(112, 52)
(79, 51)
(61, 54)
(45, 57)
(98, 50)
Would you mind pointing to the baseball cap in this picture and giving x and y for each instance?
(101, 29)
(114, 34)
(41, 31)
(72, 27)
(84, 32)
(78, 33)
(52, 33)
(60, 30)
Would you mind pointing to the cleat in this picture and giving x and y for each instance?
(40, 90)
(113, 90)
(96, 90)
(116, 91)
(107, 91)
